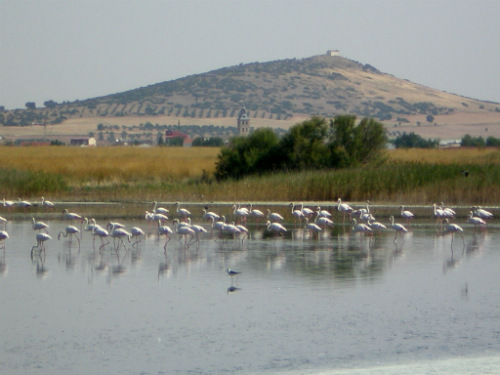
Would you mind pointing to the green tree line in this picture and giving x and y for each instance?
(317, 143)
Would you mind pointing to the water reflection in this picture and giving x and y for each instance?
(331, 292)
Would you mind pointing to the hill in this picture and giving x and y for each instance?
(279, 94)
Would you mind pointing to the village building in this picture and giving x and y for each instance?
(243, 123)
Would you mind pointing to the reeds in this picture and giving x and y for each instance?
(173, 174)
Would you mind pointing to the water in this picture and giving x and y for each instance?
(337, 304)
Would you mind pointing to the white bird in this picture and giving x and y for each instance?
(408, 215)
(243, 231)
(40, 225)
(208, 215)
(184, 231)
(100, 232)
(137, 233)
(361, 228)
(399, 228)
(70, 230)
(182, 211)
(376, 226)
(256, 214)
(24, 204)
(71, 216)
(241, 213)
(276, 228)
(313, 228)
(160, 210)
(344, 208)
(3, 236)
(476, 221)
(453, 228)
(119, 233)
(297, 214)
(48, 204)
(323, 213)
(197, 229)
(41, 238)
(323, 221)
(483, 214)
(164, 230)
(8, 204)
(274, 216)
(447, 210)
(306, 211)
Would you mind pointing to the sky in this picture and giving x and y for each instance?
(66, 50)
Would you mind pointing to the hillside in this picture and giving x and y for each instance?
(278, 93)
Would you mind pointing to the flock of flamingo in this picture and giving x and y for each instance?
(315, 220)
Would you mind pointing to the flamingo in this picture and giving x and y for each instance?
(399, 228)
(41, 238)
(136, 232)
(40, 225)
(48, 204)
(70, 230)
(208, 215)
(276, 228)
(71, 216)
(3, 236)
(274, 216)
(453, 228)
(182, 211)
(23, 204)
(240, 213)
(439, 214)
(306, 211)
(197, 229)
(160, 210)
(361, 228)
(102, 233)
(120, 233)
(476, 221)
(297, 214)
(243, 230)
(483, 214)
(8, 204)
(164, 230)
(447, 210)
(256, 214)
(408, 215)
(376, 226)
(218, 225)
(184, 231)
(344, 208)
(312, 227)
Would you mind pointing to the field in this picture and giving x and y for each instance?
(186, 174)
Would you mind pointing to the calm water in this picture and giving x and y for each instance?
(335, 304)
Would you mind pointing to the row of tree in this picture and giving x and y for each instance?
(316, 143)
(413, 140)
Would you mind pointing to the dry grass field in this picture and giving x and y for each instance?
(186, 174)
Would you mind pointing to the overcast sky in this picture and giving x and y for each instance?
(64, 50)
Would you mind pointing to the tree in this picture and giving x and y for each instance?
(246, 155)
(413, 140)
(50, 104)
(350, 144)
(304, 145)
(30, 105)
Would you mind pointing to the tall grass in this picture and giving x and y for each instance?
(173, 174)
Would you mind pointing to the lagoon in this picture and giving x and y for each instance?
(329, 304)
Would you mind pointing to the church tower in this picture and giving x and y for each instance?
(243, 123)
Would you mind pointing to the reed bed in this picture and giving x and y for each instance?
(185, 174)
